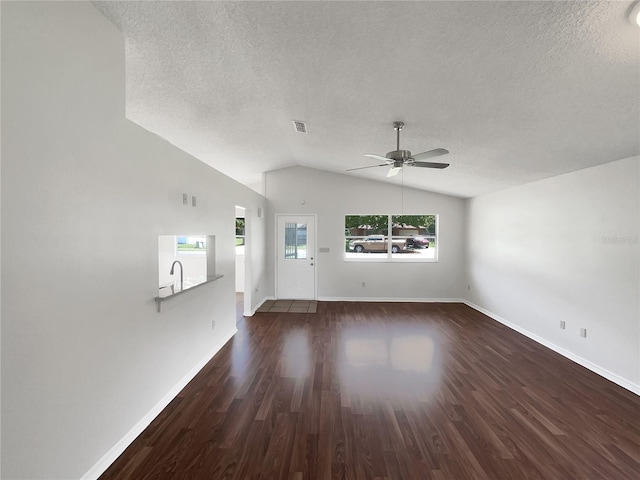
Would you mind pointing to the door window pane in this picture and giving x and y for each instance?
(295, 240)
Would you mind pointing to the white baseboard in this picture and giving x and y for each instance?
(255, 309)
(603, 372)
(115, 451)
(390, 299)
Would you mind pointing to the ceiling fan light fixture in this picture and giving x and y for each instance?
(634, 14)
(393, 171)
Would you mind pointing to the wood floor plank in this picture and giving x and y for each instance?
(398, 391)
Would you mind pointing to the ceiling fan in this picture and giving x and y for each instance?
(403, 158)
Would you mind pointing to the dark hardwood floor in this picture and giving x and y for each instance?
(389, 391)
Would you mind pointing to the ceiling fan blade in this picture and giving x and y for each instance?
(431, 153)
(378, 157)
(429, 164)
(370, 166)
(393, 171)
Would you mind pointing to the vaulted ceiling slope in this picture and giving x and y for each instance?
(516, 91)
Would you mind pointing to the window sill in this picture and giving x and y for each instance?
(385, 259)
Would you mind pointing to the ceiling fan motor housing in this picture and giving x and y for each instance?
(399, 155)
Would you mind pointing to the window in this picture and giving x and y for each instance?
(391, 237)
(196, 245)
(240, 235)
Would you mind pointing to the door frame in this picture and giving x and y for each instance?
(315, 244)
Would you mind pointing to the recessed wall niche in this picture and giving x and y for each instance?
(184, 262)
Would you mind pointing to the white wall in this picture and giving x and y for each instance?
(565, 248)
(332, 196)
(239, 270)
(85, 194)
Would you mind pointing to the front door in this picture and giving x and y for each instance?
(296, 257)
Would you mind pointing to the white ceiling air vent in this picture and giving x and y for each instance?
(299, 127)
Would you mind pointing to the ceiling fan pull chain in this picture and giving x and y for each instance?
(402, 204)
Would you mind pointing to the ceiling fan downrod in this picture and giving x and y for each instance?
(397, 127)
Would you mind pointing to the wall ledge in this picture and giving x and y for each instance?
(603, 372)
(105, 462)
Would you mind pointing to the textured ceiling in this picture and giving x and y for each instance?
(517, 91)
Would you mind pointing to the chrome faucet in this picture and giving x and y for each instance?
(181, 273)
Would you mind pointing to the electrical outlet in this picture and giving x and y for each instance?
(469, 287)
(185, 199)
(213, 324)
(583, 332)
(563, 324)
(364, 284)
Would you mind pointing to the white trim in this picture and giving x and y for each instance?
(373, 259)
(391, 299)
(603, 372)
(254, 310)
(101, 466)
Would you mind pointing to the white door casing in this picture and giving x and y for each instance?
(296, 257)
